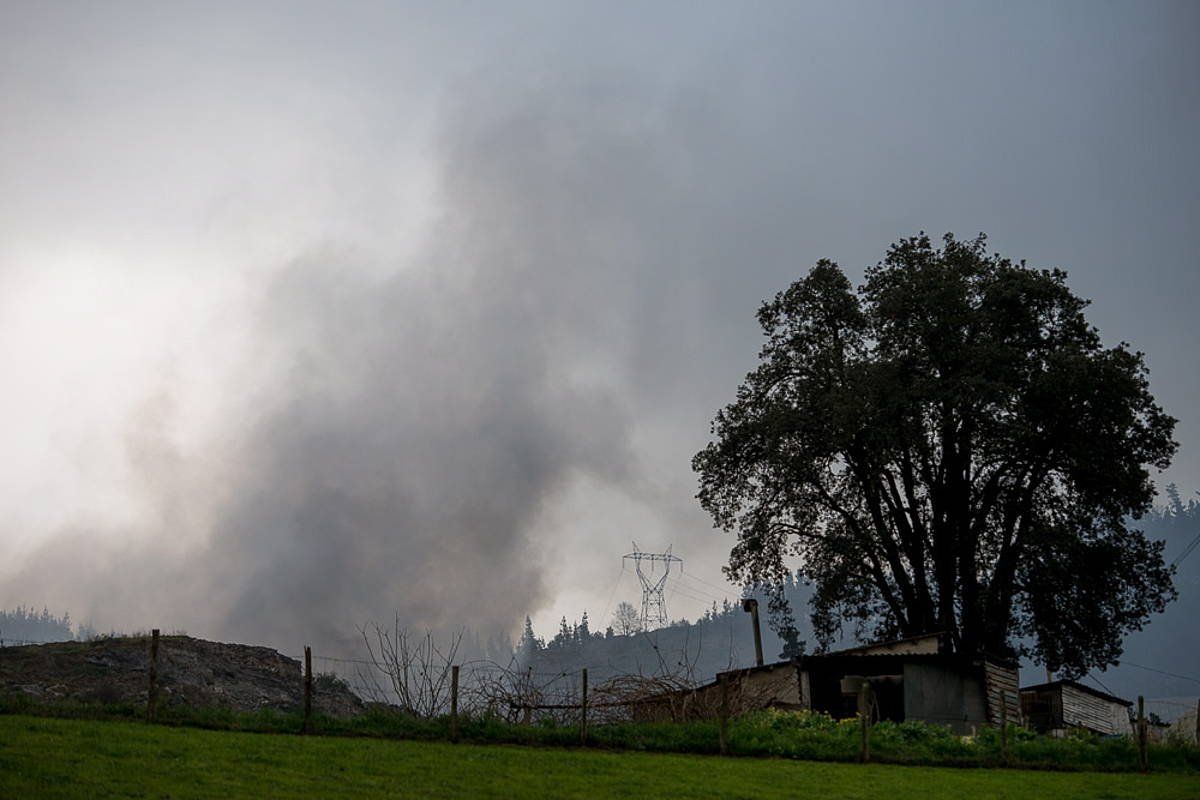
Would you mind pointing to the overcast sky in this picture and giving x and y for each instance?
(313, 312)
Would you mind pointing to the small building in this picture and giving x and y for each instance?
(910, 679)
(1062, 705)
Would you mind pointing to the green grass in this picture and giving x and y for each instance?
(56, 758)
(795, 735)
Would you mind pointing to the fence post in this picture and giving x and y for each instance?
(1004, 727)
(152, 676)
(308, 690)
(454, 703)
(528, 717)
(583, 731)
(751, 605)
(864, 714)
(1143, 759)
(723, 680)
(1198, 722)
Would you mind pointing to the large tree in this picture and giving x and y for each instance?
(952, 449)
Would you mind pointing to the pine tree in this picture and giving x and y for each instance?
(529, 644)
(564, 637)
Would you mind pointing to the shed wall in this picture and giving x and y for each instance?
(941, 695)
(779, 688)
(1002, 685)
(1085, 710)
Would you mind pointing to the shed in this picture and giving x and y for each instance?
(911, 679)
(1061, 705)
(959, 692)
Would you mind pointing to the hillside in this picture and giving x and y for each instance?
(191, 672)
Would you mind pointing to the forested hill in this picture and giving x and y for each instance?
(722, 638)
(1170, 643)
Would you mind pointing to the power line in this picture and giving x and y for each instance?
(609, 611)
(1187, 551)
(705, 586)
(693, 594)
(1100, 683)
(1176, 703)
(683, 591)
(1162, 672)
(695, 577)
(700, 591)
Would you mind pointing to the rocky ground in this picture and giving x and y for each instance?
(191, 672)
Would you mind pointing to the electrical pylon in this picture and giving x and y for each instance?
(654, 607)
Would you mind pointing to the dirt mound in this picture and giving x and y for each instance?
(191, 672)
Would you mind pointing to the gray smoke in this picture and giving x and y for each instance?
(475, 429)
(403, 426)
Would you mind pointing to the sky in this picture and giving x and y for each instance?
(316, 313)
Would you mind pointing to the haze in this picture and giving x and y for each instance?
(310, 313)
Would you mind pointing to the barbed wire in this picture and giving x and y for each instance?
(1159, 701)
(339, 660)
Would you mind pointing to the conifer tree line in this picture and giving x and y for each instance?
(25, 624)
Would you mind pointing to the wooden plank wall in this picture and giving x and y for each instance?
(999, 679)
(1085, 710)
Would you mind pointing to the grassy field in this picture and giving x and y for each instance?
(54, 758)
(779, 734)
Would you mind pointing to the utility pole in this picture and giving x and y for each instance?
(654, 607)
(751, 605)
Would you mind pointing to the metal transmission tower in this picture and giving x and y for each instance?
(654, 607)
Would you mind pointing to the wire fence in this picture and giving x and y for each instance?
(523, 693)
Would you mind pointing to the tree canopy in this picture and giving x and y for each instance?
(950, 448)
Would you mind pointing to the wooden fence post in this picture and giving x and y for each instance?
(1143, 756)
(528, 717)
(723, 732)
(308, 690)
(864, 714)
(1198, 722)
(583, 731)
(454, 703)
(152, 677)
(1004, 727)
